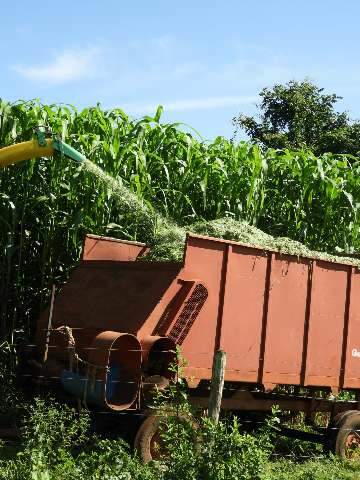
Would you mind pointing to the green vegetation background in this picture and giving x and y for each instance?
(47, 205)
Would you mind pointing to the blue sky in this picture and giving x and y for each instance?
(205, 61)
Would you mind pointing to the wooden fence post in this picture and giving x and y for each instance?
(217, 385)
(47, 337)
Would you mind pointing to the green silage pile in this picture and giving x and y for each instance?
(170, 238)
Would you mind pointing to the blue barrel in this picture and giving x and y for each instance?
(75, 384)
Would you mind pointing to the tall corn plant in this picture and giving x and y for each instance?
(47, 205)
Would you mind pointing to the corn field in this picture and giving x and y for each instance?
(47, 205)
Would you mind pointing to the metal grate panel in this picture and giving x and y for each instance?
(189, 314)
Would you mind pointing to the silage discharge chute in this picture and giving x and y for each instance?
(38, 147)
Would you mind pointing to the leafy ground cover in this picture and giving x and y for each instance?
(56, 445)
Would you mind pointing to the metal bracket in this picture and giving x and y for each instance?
(41, 137)
(58, 145)
(68, 151)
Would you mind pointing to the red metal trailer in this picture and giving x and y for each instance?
(281, 319)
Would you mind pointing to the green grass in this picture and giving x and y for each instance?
(325, 469)
(56, 445)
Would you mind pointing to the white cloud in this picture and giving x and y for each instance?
(67, 66)
(208, 103)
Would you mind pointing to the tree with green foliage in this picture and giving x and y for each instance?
(300, 115)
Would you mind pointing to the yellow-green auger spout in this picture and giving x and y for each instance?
(39, 147)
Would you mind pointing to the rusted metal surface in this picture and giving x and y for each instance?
(261, 402)
(351, 361)
(243, 312)
(285, 320)
(123, 351)
(326, 325)
(111, 295)
(352, 445)
(105, 248)
(279, 318)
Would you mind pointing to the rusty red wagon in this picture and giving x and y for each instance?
(282, 321)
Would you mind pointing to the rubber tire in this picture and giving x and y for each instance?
(148, 429)
(339, 431)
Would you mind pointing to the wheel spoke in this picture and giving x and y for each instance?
(355, 432)
(352, 445)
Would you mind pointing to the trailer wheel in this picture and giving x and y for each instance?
(344, 435)
(148, 441)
